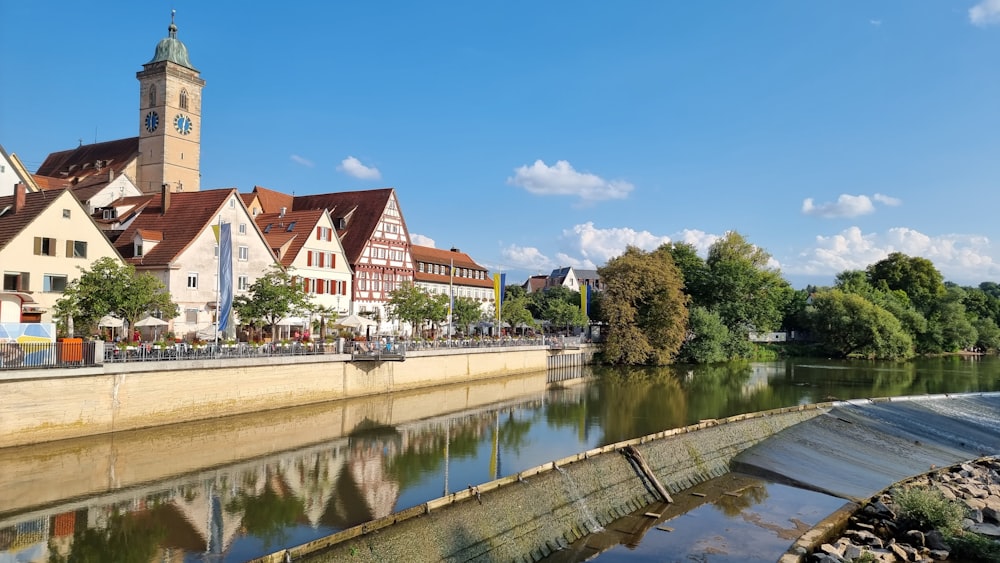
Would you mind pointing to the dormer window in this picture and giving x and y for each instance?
(137, 250)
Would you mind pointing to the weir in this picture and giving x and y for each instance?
(850, 449)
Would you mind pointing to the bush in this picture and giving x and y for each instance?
(928, 509)
(974, 548)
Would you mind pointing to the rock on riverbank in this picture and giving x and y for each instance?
(879, 532)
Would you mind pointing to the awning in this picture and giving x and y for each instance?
(28, 303)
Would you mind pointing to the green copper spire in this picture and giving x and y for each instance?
(170, 48)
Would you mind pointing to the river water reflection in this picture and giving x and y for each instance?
(236, 488)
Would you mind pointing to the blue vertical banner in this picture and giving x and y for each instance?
(225, 275)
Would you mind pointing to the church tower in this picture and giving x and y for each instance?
(169, 119)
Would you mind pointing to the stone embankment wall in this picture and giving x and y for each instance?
(44, 405)
(526, 516)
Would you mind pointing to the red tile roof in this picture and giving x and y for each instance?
(295, 226)
(11, 223)
(49, 183)
(82, 162)
(188, 215)
(362, 211)
(429, 255)
(272, 201)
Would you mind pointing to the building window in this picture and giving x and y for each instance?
(138, 249)
(244, 253)
(243, 228)
(152, 95)
(184, 99)
(76, 248)
(191, 316)
(66, 214)
(243, 283)
(53, 283)
(15, 281)
(45, 246)
(192, 282)
(232, 203)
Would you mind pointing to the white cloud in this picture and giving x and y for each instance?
(562, 179)
(887, 200)
(525, 258)
(700, 240)
(302, 160)
(960, 258)
(596, 246)
(985, 13)
(846, 206)
(875, 23)
(353, 167)
(421, 240)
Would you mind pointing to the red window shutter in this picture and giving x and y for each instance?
(319, 233)
(319, 257)
(309, 258)
(329, 235)
(333, 260)
(320, 285)
(305, 285)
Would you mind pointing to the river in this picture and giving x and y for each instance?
(232, 489)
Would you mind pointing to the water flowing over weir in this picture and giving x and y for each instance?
(850, 449)
(861, 447)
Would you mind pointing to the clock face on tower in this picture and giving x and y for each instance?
(152, 121)
(182, 123)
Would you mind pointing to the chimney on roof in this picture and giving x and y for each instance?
(453, 249)
(164, 198)
(20, 190)
(281, 213)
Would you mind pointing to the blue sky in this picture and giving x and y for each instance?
(534, 135)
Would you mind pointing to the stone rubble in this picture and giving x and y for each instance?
(875, 534)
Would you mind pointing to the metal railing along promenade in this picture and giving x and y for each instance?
(91, 353)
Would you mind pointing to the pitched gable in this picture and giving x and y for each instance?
(186, 216)
(360, 211)
(288, 232)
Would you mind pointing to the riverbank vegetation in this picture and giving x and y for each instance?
(670, 305)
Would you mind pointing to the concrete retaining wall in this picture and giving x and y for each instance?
(44, 405)
(527, 516)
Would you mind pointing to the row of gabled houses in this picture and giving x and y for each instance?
(347, 250)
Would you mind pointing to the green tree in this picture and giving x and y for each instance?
(515, 307)
(915, 276)
(948, 328)
(706, 340)
(644, 307)
(465, 312)
(272, 297)
(850, 325)
(693, 269)
(112, 288)
(743, 289)
(559, 305)
(408, 303)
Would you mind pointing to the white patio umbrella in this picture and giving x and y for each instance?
(151, 322)
(354, 321)
(112, 322)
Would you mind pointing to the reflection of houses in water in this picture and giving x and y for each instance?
(339, 484)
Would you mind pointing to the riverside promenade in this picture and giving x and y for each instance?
(39, 405)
